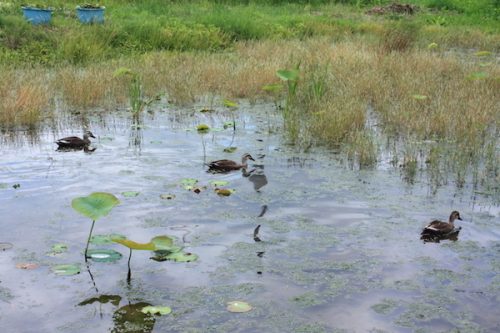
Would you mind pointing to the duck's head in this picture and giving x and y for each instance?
(88, 134)
(246, 157)
(455, 215)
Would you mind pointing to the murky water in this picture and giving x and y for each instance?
(339, 250)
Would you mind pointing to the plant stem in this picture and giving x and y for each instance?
(129, 274)
(88, 240)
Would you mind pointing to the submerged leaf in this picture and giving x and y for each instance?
(66, 270)
(162, 243)
(130, 194)
(95, 205)
(238, 306)
(160, 310)
(103, 255)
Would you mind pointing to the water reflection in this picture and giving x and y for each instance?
(86, 149)
(435, 238)
(256, 176)
(136, 133)
(131, 319)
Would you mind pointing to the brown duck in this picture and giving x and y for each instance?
(74, 142)
(440, 228)
(228, 165)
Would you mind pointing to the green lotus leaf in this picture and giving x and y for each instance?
(162, 243)
(160, 310)
(288, 74)
(228, 124)
(182, 257)
(188, 183)
(218, 183)
(95, 205)
(230, 104)
(105, 239)
(238, 306)
(58, 249)
(66, 270)
(203, 128)
(134, 245)
(130, 194)
(103, 255)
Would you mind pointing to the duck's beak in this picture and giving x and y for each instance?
(459, 218)
(251, 158)
(92, 135)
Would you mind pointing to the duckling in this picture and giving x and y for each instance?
(75, 142)
(228, 165)
(440, 228)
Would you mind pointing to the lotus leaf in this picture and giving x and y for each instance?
(203, 128)
(160, 310)
(238, 306)
(230, 104)
(130, 194)
(134, 245)
(182, 257)
(66, 270)
(103, 255)
(95, 205)
(228, 124)
(218, 183)
(105, 239)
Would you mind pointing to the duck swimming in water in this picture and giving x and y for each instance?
(228, 165)
(436, 228)
(74, 142)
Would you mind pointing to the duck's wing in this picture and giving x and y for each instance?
(69, 140)
(222, 164)
(437, 226)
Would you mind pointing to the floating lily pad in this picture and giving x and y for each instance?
(5, 246)
(167, 196)
(230, 104)
(238, 306)
(103, 255)
(159, 310)
(95, 205)
(203, 128)
(103, 299)
(130, 194)
(58, 249)
(66, 270)
(224, 192)
(228, 124)
(182, 257)
(188, 183)
(105, 239)
(218, 183)
(230, 149)
(27, 265)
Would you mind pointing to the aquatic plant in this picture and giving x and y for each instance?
(232, 106)
(94, 206)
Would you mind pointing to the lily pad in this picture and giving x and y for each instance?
(224, 192)
(238, 306)
(432, 46)
(228, 124)
(182, 257)
(5, 246)
(230, 149)
(105, 239)
(95, 205)
(203, 128)
(58, 249)
(66, 270)
(167, 196)
(103, 255)
(130, 194)
(160, 310)
(188, 183)
(218, 183)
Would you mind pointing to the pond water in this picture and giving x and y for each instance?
(340, 249)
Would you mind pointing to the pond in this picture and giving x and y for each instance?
(338, 249)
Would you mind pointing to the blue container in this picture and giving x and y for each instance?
(90, 15)
(37, 15)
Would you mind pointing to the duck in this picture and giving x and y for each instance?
(440, 228)
(75, 142)
(228, 165)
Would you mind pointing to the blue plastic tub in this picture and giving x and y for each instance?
(90, 15)
(37, 15)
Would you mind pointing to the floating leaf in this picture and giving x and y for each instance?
(58, 249)
(483, 54)
(230, 149)
(274, 87)
(162, 242)
(103, 255)
(66, 270)
(5, 246)
(95, 205)
(182, 257)
(288, 74)
(130, 194)
(419, 97)
(207, 110)
(188, 183)
(238, 306)
(218, 183)
(160, 310)
(27, 265)
(203, 128)
(167, 196)
(229, 104)
(103, 299)
(225, 192)
(228, 124)
(105, 239)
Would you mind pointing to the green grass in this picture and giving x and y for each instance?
(137, 27)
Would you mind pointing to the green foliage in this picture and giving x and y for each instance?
(96, 205)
